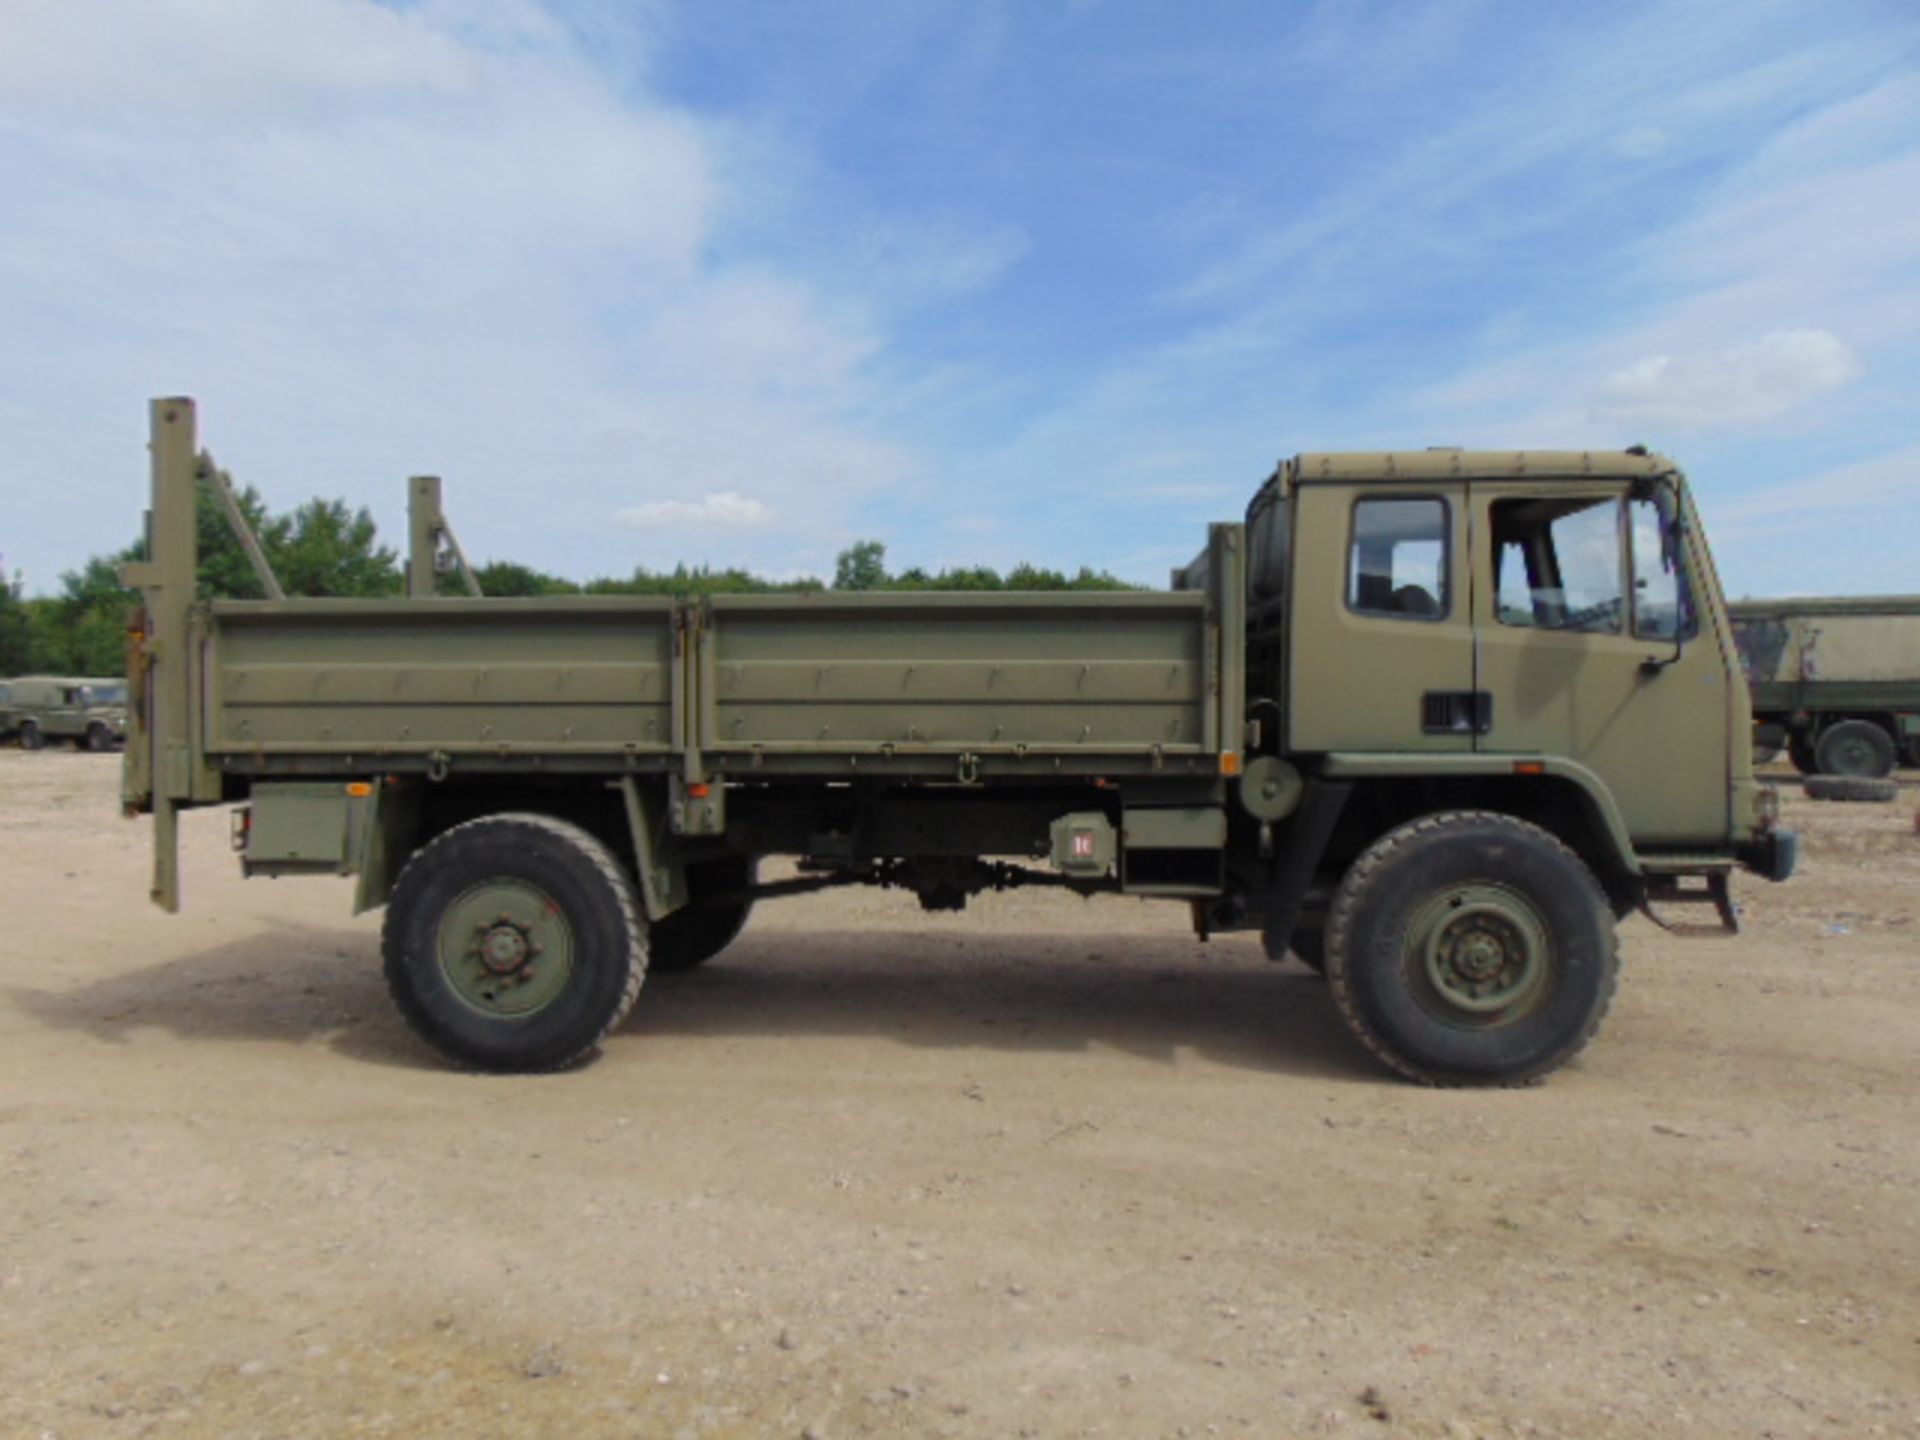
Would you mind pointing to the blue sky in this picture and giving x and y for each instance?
(739, 283)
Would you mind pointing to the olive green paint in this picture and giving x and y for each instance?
(679, 703)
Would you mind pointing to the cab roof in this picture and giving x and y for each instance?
(1785, 607)
(1447, 463)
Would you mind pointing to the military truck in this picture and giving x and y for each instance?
(88, 710)
(1835, 682)
(1431, 721)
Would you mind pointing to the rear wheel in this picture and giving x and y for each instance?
(514, 942)
(1855, 747)
(707, 923)
(32, 737)
(1471, 949)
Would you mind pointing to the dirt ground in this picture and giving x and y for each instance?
(1045, 1169)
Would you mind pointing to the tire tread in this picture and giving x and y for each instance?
(587, 845)
(1857, 788)
(1346, 905)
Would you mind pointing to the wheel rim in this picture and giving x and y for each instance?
(505, 948)
(1479, 955)
(1852, 755)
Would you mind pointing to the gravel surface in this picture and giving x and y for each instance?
(1049, 1168)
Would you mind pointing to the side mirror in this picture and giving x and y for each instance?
(1664, 495)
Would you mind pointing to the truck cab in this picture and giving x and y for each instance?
(1550, 615)
(1540, 633)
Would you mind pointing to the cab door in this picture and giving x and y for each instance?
(1381, 639)
(1589, 649)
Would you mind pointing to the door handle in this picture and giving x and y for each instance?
(1456, 712)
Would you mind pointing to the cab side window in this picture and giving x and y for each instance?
(1557, 564)
(1398, 564)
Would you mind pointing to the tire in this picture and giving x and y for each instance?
(514, 943)
(1800, 754)
(1483, 890)
(99, 738)
(32, 737)
(698, 931)
(1855, 747)
(1863, 788)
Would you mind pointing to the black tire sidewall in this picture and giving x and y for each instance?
(1864, 730)
(1567, 900)
(99, 739)
(602, 949)
(32, 737)
(695, 933)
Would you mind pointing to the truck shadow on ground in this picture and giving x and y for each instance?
(1041, 993)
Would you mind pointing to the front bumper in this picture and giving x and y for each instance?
(1774, 854)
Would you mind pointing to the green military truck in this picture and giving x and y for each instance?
(1835, 682)
(1431, 721)
(90, 711)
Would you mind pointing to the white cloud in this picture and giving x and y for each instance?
(378, 241)
(1842, 530)
(204, 57)
(725, 509)
(1888, 483)
(1747, 383)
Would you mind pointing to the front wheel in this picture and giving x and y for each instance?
(514, 942)
(99, 738)
(1471, 949)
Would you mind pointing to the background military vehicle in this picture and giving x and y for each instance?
(1835, 683)
(1432, 720)
(88, 710)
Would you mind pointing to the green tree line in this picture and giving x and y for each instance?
(325, 547)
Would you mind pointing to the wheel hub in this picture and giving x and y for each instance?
(505, 948)
(1483, 953)
(1479, 955)
(1856, 757)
